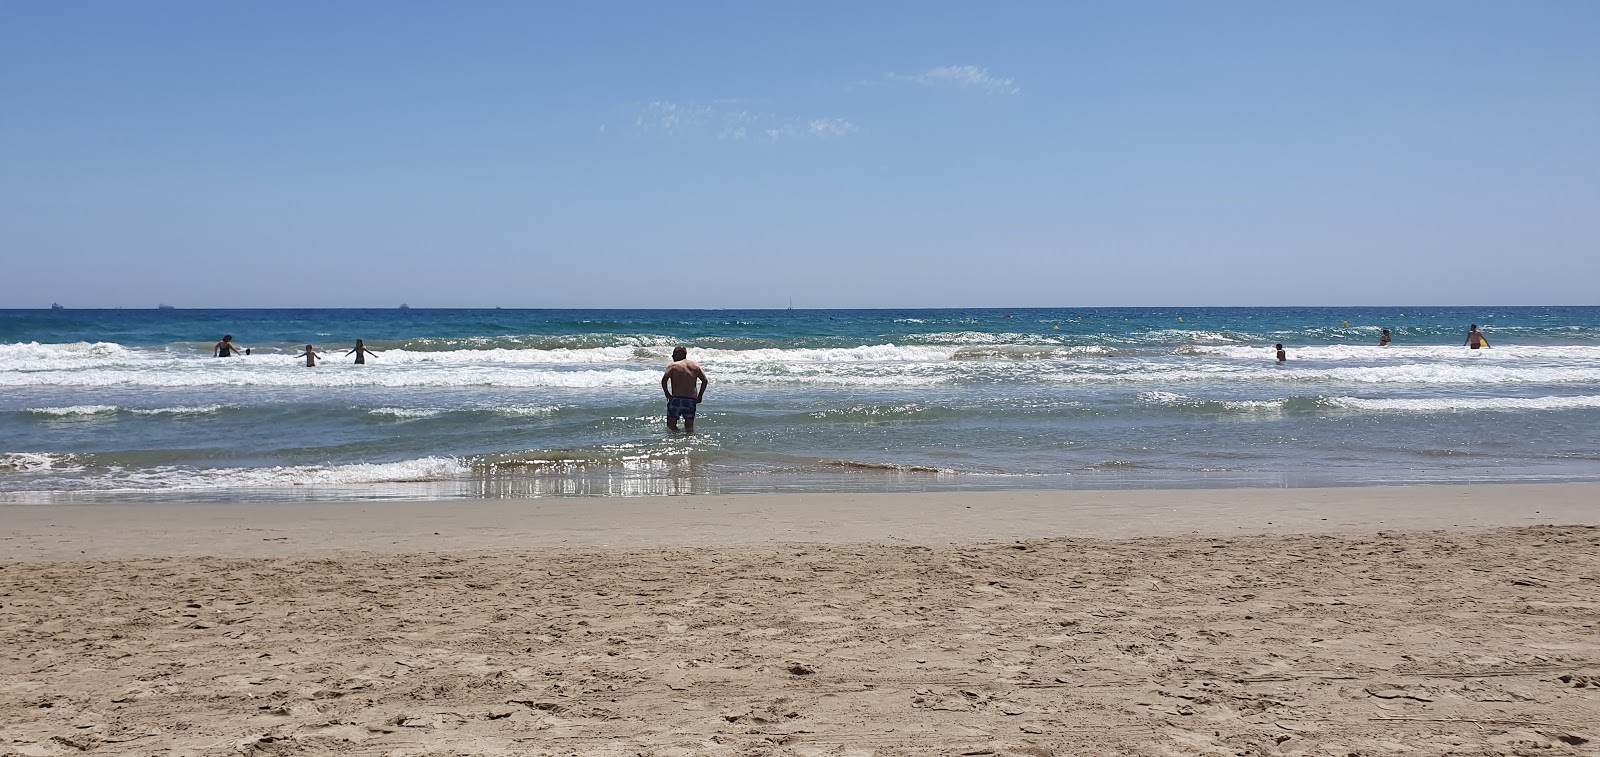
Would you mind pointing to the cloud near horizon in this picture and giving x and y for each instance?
(962, 77)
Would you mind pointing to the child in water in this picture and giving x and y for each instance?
(1383, 341)
(310, 355)
(361, 352)
(1282, 356)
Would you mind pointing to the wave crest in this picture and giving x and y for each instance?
(33, 462)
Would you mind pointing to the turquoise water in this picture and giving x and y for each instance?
(128, 404)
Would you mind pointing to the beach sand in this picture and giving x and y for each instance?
(1424, 620)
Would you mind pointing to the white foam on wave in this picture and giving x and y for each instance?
(1395, 353)
(410, 413)
(872, 353)
(1174, 399)
(163, 478)
(1015, 352)
(1465, 372)
(660, 353)
(34, 462)
(526, 411)
(969, 338)
(502, 356)
(1160, 398)
(860, 373)
(1449, 404)
(1192, 336)
(24, 354)
(463, 376)
(1422, 374)
(101, 410)
(186, 410)
(73, 410)
(406, 413)
(976, 355)
(1414, 405)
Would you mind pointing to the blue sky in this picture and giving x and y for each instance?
(844, 154)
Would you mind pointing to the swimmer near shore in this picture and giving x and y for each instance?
(226, 347)
(680, 383)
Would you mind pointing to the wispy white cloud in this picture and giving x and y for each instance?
(728, 121)
(963, 77)
(825, 128)
(671, 118)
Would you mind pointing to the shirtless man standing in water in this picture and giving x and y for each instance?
(682, 396)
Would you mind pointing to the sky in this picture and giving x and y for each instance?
(836, 154)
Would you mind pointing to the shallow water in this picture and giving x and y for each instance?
(128, 404)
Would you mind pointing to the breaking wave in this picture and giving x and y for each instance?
(1456, 404)
(160, 478)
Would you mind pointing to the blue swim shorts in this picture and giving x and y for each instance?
(681, 407)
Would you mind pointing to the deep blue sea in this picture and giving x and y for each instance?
(125, 405)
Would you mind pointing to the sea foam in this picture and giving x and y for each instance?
(427, 469)
(1455, 404)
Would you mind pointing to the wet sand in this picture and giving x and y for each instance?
(1440, 620)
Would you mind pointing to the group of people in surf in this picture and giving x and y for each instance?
(1475, 340)
(226, 348)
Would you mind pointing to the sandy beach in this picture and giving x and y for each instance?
(1424, 620)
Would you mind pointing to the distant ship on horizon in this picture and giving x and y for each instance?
(403, 306)
(56, 306)
(165, 306)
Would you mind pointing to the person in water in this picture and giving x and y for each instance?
(361, 352)
(1475, 338)
(226, 347)
(1383, 340)
(1282, 356)
(679, 384)
(310, 355)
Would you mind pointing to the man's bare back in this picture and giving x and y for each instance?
(682, 376)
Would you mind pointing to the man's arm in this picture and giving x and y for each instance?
(664, 378)
(700, 375)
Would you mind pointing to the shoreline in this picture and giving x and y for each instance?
(101, 531)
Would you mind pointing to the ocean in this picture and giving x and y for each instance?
(128, 405)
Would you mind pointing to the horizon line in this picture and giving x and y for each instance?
(809, 309)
